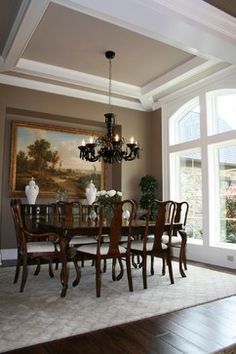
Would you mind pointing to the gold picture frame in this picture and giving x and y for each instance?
(50, 155)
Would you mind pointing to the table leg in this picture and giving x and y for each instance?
(182, 251)
(64, 268)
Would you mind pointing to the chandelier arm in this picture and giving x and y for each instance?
(132, 153)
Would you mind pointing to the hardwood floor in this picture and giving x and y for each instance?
(207, 328)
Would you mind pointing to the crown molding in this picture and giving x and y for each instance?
(205, 82)
(143, 94)
(132, 97)
(67, 91)
(203, 14)
(74, 77)
(182, 72)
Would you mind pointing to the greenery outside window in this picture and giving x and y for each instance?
(226, 163)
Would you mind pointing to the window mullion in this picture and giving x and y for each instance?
(204, 155)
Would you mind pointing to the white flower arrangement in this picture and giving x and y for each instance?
(107, 199)
(108, 196)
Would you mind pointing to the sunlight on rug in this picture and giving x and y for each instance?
(40, 314)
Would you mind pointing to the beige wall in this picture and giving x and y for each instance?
(44, 107)
(155, 140)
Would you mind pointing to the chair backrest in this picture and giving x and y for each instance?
(131, 207)
(165, 213)
(18, 221)
(35, 210)
(89, 212)
(181, 212)
(116, 225)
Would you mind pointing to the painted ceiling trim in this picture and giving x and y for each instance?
(75, 77)
(212, 79)
(182, 72)
(143, 95)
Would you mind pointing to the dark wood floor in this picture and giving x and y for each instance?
(208, 328)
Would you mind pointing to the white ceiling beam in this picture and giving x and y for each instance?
(28, 17)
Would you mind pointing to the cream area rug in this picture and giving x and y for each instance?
(40, 314)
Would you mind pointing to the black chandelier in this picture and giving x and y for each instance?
(109, 148)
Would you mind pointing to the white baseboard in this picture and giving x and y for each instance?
(8, 254)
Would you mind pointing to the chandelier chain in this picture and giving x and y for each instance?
(110, 85)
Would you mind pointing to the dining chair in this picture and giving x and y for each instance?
(112, 249)
(72, 211)
(179, 238)
(154, 246)
(31, 245)
(128, 209)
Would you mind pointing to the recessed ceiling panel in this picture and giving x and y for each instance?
(76, 41)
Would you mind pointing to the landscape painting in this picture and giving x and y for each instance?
(50, 155)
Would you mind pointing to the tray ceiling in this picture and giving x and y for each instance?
(161, 46)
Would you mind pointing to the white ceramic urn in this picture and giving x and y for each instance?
(31, 191)
(90, 193)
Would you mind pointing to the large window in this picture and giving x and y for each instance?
(221, 111)
(227, 193)
(188, 186)
(202, 165)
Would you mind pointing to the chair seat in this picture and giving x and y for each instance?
(138, 246)
(81, 240)
(164, 239)
(40, 247)
(105, 238)
(92, 249)
(175, 240)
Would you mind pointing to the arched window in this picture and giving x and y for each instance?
(185, 123)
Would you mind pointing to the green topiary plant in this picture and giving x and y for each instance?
(148, 185)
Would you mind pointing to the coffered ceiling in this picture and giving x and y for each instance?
(161, 46)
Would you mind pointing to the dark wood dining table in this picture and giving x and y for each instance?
(66, 229)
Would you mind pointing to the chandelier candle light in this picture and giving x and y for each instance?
(109, 148)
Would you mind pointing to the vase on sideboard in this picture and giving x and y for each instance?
(31, 191)
(91, 192)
